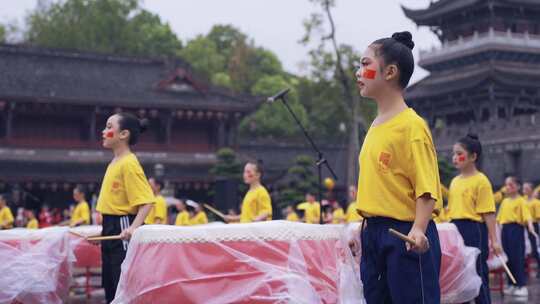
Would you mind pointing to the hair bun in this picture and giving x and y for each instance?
(473, 136)
(404, 38)
(143, 124)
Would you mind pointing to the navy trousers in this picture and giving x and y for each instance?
(390, 273)
(513, 243)
(475, 234)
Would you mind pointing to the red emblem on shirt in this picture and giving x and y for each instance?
(384, 161)
(115, 185)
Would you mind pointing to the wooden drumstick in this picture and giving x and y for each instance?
(506, 269)
(77, 235)
(402, 236)
(104, 238)
(215, 211)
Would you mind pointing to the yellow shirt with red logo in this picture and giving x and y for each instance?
(398, 164)
(124, 188)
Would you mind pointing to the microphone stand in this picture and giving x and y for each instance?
(321, 160)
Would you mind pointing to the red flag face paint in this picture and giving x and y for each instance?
(461, 158)
(109, 134)
(369, 74)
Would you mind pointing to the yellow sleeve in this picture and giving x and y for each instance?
(525, 213)
(485, 203)
(425, 177)
(178, 221)
(151, 216)
(138, 190)
(499, 195)
(161, 209)
(265, 204)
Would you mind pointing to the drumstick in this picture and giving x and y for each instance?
(104, 238)
(78, 235)
(402, 236)
(506, 269)
(215, 211)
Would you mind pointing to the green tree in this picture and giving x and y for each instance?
(109, 26)
(227, 167)
(334, 62)
(299, 180)
(205, 57)
(446, 172)
(273, 120)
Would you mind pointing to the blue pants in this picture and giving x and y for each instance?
(534, 244)
(513, 243)
(475, 234)
(390, 273)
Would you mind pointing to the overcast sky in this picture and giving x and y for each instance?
(276, 24)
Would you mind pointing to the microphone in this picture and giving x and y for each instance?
(278, 95)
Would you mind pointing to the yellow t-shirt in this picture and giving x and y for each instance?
(470, 197)
(312, 212)
(352, 215)
(158, 211)
(256, 202)
(534, 209)
(199, 219)
(182, 219)
(32, 224)
(81, 212)
(338, 216)
(293, 217)
(124, 188)
(398, 164)
(6, 218)
(513, 210)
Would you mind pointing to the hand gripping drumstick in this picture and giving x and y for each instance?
(402, 236)
(214, 211)
(506, 269)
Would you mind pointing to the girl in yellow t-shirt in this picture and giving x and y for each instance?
(514, 215)
(534, 208)
(471, 207)
(125, 198)
(398, 184)
(257, 205)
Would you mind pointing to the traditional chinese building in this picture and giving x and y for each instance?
(485, 79)
(54, 104)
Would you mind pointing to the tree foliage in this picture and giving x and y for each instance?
(108, 26)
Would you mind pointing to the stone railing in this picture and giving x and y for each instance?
(491, 38)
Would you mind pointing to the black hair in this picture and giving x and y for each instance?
(397, 50)
(258, 166)
(131, 123)
(158, 182)
(471, 144)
